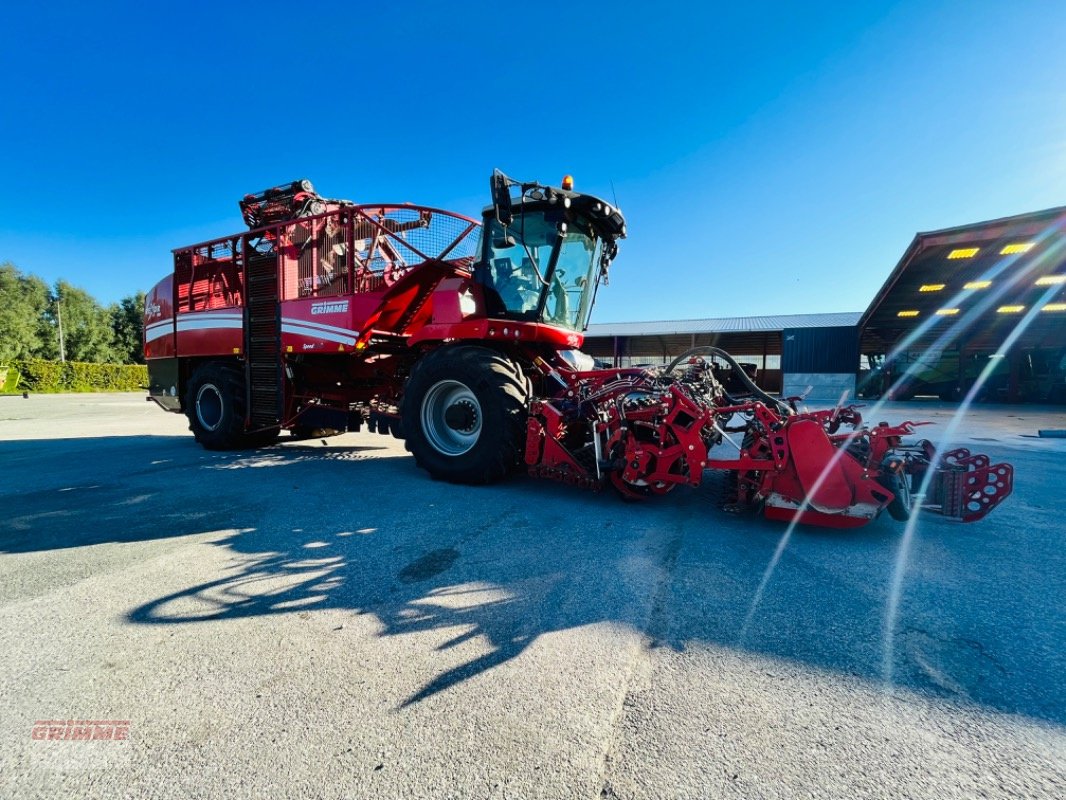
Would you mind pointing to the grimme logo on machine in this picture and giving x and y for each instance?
(335, 307)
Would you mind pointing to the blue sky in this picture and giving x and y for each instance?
(770, 157)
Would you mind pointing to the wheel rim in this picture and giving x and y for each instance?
(451, 417)
(209, 406)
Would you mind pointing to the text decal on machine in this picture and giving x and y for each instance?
(335, 307)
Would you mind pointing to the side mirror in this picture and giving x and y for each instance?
(504, 242)
(500, 186)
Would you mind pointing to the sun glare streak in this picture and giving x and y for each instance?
(756, 600)
(906, 542)
(949, 334)
(779, 551)
(986, 304)
(945, 336)
(986, 300)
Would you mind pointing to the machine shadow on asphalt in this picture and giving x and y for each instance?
(96, 509)
(375, 540)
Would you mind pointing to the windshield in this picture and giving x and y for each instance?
(573, 282)
(517, 274)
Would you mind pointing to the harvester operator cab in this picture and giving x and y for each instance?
(544, 251)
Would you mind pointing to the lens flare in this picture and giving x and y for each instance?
(945, 336)
(895, 591)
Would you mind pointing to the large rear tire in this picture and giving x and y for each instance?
(464, 414)
(215, 406)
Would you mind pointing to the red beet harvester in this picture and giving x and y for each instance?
(462, 338)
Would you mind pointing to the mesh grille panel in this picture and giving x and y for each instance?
(368, 249)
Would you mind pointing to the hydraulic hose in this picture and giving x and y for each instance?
(782, 406)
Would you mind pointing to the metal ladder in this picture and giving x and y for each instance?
(262, 336)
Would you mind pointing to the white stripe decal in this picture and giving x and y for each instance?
(321, 325)
(231, 311)
(207, 324)
(159, 324)
(311, 333)
(158, 333)
(208, 316)
(207, 320)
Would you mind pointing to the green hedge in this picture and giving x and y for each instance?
(72, 376)
(9, 379)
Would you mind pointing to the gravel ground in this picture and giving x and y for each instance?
(323, 620)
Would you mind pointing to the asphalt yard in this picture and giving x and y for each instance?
(320, 619)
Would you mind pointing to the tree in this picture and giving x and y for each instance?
(127, 325)
(23, 305)
(31, 318)
(87, 333)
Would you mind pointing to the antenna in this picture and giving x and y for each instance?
(614, 195)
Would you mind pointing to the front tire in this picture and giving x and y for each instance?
(464, 414)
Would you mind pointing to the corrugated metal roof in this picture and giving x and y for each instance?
(1001, 222)
(724, 324)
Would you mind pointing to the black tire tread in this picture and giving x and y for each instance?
(500, 450)
(898, 508)
(232, 436)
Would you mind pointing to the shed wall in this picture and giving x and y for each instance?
(816, 350)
